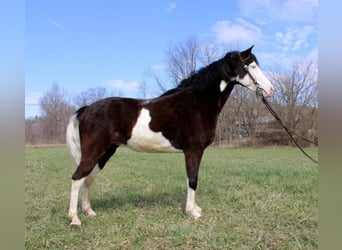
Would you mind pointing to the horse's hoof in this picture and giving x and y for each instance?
(196, 212)
(89, 212)
(75, 223)
(196, 215)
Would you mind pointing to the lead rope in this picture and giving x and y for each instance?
(259, 93)
(286, 129)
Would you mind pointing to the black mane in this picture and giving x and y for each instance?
(198, 80)
(202, 79)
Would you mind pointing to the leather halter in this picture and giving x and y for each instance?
(257, 85)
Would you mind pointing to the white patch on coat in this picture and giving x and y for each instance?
(143, 139)
(223, 85)
(260, 77)
(73, 139)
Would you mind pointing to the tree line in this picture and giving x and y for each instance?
(244, 121)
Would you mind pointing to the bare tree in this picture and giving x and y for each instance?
(143, 89)
(297, 87)
(249, 111)
(89, 96)
(183, 59)
(296, 97)
(55, 114)
(209, 53)
(29, 134)
(159, 83)
(34, 131)
(225, 129)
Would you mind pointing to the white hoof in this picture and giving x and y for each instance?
(75, 222)
(89, 212)
(195, 211)
(198, 209)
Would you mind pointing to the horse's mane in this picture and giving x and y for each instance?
(200, 80)
(197, 79)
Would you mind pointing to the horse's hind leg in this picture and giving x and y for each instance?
(78, 179)
(75, 188)
(86, 207)
(83, 178)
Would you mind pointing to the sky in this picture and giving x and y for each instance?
(114, 44)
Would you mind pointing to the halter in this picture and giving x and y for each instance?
(257, 85)
(259, 94)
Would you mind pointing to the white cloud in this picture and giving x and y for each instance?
(275, 61)
(288, 10)
(280, 61)
(294, 38)
(236, 32)
(171, 7)
(56, 24)
(124, 86)
(302, 10)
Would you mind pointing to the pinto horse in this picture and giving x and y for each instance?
(181, 120)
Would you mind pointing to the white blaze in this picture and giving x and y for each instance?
(260, 77)
(143, 139)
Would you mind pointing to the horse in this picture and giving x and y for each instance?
(182, 119)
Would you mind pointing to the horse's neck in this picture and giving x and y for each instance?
(225, 95)
(216, 100)
(210, 103)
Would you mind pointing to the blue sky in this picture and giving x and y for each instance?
(112, 44)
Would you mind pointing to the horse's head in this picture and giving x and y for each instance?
(248, 74)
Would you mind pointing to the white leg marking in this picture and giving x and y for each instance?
(86, 207)
(191, 206)
(75, 188)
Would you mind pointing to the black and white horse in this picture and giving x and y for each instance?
(181, 120)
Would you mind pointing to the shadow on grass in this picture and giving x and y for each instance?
(155, 199)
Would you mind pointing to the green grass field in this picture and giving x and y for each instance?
(263, 198)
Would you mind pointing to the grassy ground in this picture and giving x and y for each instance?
(252, 199)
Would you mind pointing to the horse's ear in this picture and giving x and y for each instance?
(246, 53)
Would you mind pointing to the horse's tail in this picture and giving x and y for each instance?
(73, 136)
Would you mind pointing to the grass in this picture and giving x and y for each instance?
(252, 199)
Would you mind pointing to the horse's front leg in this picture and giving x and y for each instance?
(192, 162)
